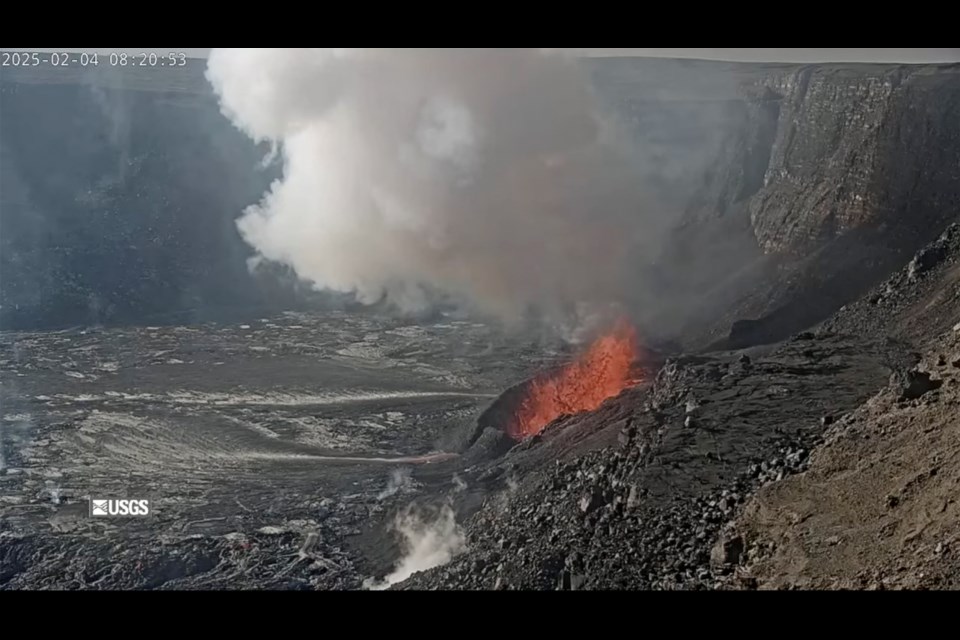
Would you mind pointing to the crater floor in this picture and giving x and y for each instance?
(247, 438)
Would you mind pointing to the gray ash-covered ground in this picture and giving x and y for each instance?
(278, 453)
(252, 440)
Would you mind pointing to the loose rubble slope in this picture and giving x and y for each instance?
(878, 507)
(664, 507)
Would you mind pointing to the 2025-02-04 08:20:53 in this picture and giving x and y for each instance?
(92, 59)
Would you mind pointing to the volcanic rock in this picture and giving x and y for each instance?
(626, 435)
(726, 552)
(914, 384)
(591, 501)
(925, 260)
(490, 444)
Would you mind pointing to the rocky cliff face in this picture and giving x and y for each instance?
(860, 146)
(830, 178)
(819, 151)
(117, 199)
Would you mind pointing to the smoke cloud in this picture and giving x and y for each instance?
(482, 176)
(429, 541)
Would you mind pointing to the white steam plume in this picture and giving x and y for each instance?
(478, 174)
(400, 480)
(428, 542)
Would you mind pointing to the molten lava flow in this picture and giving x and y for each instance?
(601, 372)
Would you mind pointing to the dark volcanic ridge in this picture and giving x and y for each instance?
(701, 480)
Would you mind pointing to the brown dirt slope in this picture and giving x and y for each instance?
(878, 507)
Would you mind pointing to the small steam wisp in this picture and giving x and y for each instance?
(430, 540)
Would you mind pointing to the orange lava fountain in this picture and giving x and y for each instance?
(599, 373)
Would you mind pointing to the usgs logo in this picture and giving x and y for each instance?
(101, 508)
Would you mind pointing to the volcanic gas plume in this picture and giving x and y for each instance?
(601, 372)
(480, 175)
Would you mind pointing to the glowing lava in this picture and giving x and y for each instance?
(599, 373)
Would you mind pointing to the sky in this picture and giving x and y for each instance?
(809, 54)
